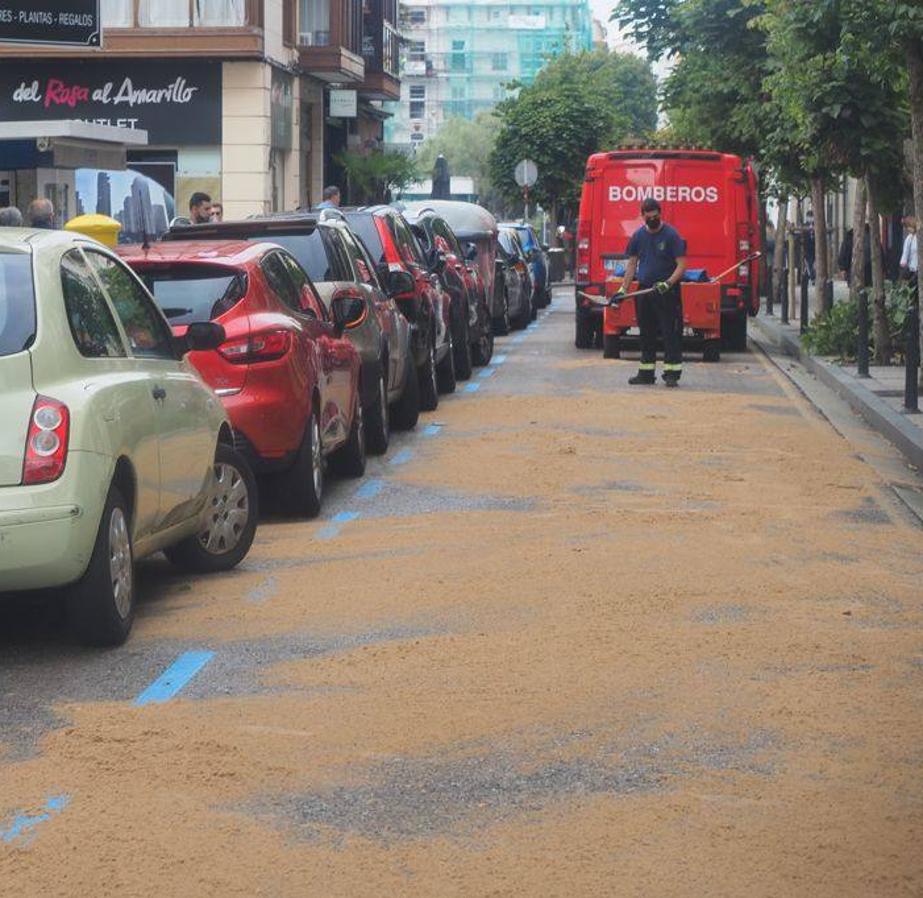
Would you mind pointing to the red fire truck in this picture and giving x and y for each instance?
(711, 199)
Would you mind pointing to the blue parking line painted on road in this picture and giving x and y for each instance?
(335, 525)
(174, 678)
(23, 824)
(487, 372)
(472, 388)
(402, 457)
(498, 360)
(432, 430)
(370, 489)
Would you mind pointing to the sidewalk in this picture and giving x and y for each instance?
(878, 399)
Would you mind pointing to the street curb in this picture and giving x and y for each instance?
(889, 423)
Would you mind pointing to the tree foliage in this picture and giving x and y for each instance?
(578, 104)
(372, 177)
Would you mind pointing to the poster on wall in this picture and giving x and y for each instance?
(177, 102)
(64, 23)
(281, 108)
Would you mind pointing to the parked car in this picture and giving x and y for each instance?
(338, 265)
(472, 331)
(112, 448)
(286, 375)
(476, 230)
(511, 261)
(536, 259)
(402, 268)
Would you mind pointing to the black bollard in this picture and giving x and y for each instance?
(805, 287)
(769, 289)
(912, 360)
(862, 349)
(783, 295)
(828, 295)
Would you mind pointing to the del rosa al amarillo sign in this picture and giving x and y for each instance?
(175, 101)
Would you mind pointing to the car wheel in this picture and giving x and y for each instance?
(445, 371)
(429, 389)
(349, 460)
(228, 522)
(501, 324)
(734, 332)
(378, 428)
(462, 343)
(101, 605)
(524, 317)
(302, 486)
(406, 411)
(483, 350)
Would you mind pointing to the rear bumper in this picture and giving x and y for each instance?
(47, 532)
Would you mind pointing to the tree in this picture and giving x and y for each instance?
(371, 177)
(578, 104)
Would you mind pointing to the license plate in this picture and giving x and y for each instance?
(611, 264)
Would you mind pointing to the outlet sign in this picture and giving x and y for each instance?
(65, 23)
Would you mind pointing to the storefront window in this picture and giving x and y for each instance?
(163, 14)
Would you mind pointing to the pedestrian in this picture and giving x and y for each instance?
(657, 252)
(909, 258)
(331, 198)
(200, 207)
(217, 212)
(844, 256)
(810, 247)
(10, 217)
(40, 214)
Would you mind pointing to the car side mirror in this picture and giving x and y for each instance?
(202, 336)
(400, 282)
(348, 309)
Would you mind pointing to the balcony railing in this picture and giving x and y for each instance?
(172, 14)
(381, 48)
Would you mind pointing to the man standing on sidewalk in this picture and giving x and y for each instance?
(658, 253)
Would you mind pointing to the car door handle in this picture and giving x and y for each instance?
(159, 393)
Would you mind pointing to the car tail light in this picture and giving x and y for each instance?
(46, 443)
(264, 347)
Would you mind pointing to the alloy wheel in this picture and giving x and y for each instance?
(228, 513)
(317, 460)
(120, 562)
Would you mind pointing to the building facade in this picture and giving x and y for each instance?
(458, 57)
(250, 101)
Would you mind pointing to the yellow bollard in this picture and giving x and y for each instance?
(99, 227)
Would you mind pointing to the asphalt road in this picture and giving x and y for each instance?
(568, 638)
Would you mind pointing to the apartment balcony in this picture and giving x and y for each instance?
(158, 28)
(330, 40)
(381, 52)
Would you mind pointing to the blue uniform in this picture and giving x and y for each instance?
(657, 253)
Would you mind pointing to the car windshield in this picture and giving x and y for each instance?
(363, 225)
(308, 249)
(17, 303)
(190, 293)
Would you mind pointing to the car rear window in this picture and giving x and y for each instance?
(17, 303)
(190, 293)
(366, 230)
(308, 249)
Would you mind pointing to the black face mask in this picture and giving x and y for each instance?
(653, 223)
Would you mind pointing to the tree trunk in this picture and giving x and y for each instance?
(880, 320)
(778, 255)
(821, 256)
(764, 262)
(915, 69)
(857, 268)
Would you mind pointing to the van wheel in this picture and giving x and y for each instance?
(301, 488)
(445, 372)
(612, 346)
(349, 461)
(228, 522)
(101, 605)
(426, 377)
(378, 429)
(585, 331)
(406, 411)
(712, 351)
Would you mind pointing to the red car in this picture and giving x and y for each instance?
(286, 375)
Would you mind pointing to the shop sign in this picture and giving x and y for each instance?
(68, 23)
(343, 103)
(177, 102)
(281, 106)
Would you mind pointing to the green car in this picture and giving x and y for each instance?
(111, 446)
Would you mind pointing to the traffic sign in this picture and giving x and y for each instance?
(526, 173)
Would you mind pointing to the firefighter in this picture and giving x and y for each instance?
(657, 253)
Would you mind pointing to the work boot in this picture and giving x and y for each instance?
(671, 380)
(642, 377)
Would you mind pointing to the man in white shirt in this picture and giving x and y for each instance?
(909, 257)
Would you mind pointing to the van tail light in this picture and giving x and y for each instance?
(261, 347)
(743, 273)
(583, 249)
(46, 443)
